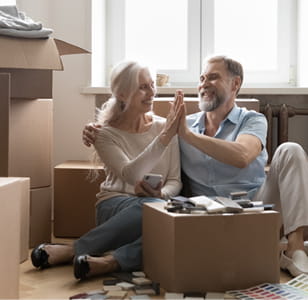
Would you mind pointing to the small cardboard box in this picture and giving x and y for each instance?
(161, 106)
(210, 253)
(14, 194)
(74, 198)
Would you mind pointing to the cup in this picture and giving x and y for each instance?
(162, 79)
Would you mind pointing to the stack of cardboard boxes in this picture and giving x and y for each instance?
(26, 120)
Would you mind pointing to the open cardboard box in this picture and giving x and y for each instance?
(210, 253)
(26, 67)
(30, 63)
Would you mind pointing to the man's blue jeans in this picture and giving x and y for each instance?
(119, 228)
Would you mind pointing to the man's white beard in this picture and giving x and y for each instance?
(208, 105)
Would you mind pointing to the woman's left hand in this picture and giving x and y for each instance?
(143, 189)
(173, 118)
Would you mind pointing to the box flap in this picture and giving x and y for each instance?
(20, 53)
(65, 48)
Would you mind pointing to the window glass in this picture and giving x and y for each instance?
(7, 2)
(175, 35)
(247, 30)
(156, 32)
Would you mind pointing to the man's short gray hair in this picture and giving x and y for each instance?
(232, 66)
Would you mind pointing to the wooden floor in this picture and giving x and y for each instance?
(60, 283)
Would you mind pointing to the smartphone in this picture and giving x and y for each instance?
(152, 179)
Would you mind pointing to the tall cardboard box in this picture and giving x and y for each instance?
(75, 198)
(14, 194)
(210, 253)
(26, 67)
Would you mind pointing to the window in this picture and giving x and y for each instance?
(7, 2)
(175, 36)
(255, 32)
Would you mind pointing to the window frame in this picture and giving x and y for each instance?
(116, 39)
(200, 24)
(286, 44)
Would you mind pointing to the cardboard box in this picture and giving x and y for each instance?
(26, 67)
(30, 63)
(210, 253)
(22, 187)
(74, 198)
(12, 193)
(40, 216)
(161, 106)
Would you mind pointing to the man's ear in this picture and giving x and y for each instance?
(237, 83)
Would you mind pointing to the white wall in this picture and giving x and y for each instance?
(71, 22)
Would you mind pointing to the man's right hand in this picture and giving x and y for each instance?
(89, 133)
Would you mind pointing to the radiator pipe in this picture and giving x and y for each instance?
(268, 112)
(283, 124)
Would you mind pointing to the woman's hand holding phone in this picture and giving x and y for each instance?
(150, 186)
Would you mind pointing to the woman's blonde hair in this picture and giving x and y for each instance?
(124, 81)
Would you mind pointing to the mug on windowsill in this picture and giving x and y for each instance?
(162, 79)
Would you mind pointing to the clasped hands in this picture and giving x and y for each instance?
(175, 122)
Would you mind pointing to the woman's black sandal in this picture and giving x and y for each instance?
(39, 257)
(81, 267)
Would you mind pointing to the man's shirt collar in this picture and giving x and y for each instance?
(233, 117)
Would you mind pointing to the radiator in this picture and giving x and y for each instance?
(282, 112)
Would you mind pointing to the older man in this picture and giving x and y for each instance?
(223, 150)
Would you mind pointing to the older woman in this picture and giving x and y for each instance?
(131, 142)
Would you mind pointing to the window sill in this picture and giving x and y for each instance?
(245, 90)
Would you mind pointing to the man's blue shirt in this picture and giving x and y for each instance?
(210, 177)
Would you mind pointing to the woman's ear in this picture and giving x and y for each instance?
(121, 97)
